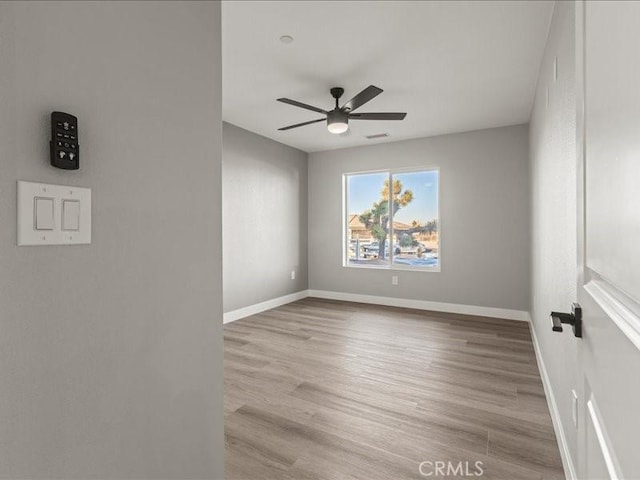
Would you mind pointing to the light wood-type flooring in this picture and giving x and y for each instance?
(321, 389)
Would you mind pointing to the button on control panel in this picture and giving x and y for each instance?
(65, 151)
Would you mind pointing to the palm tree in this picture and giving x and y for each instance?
(376, 219)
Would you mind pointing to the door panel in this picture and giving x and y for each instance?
(613, 140)
(610, 362)
(601, 462)
(608, 236)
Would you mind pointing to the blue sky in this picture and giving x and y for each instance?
(365, 189)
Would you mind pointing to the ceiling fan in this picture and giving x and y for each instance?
(338, 118)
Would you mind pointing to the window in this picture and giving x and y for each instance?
(405, 236)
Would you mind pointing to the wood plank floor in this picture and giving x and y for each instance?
(321, 389)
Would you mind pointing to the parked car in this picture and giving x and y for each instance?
(415, 249)
(373, 249)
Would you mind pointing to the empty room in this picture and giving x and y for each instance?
(290, 240)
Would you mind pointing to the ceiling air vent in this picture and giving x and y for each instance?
(377, 135)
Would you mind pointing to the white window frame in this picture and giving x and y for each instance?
(345, 219)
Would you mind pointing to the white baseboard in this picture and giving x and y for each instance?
(424, 305)
(375, 300)
(565, 454)
(234, 315)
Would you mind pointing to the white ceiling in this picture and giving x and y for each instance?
(452, 66)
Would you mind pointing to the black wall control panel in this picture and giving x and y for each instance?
(65, 150)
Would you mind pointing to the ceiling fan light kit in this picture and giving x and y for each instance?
(337, 121)
(338, 118)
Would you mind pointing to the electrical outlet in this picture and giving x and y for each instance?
(574, 408)
(293, 274)
(394, 280)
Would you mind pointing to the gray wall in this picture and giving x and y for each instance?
(553, 215)
(264, 218)
(111, 353)
(484, 219)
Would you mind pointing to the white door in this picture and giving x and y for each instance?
(608, 73)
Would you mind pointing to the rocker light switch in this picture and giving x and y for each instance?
(43, 213)
(71, 215)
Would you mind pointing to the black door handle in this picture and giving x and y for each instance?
(574, 319)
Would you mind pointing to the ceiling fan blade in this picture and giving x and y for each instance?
(301, 105)
(363, 97)
(302, 124)
(378, 116)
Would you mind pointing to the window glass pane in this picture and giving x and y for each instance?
(367, 220)
(415, 219)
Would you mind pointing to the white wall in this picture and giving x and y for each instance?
(484, 210)
(264, 218)
(111, 353)
(553, 213)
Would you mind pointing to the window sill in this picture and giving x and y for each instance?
(403, 268)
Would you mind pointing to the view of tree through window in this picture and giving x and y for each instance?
(392, 219)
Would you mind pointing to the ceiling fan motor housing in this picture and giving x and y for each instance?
(337, 121)
(337, 116)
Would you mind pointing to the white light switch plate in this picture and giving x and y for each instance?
(27, 232)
